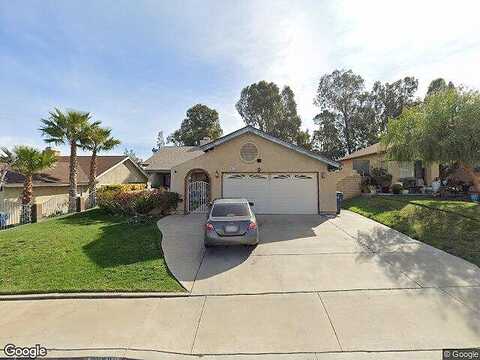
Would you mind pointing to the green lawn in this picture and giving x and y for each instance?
(92, 251)
(453, 226)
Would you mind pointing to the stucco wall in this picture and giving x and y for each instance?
(122, 174)
(125, 173)
(41, 193)
(275, 158)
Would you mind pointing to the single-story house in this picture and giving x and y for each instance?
(159, 165)
(278, 177)
(374, 156)
(54, 182)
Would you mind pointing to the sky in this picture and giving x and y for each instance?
(139, 65)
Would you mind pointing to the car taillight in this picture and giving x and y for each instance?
(209, 227)
(252, 226)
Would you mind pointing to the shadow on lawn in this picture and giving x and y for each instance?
(116, 242)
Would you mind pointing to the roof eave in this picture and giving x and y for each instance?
(251, 129)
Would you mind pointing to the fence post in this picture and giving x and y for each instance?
(80, 204)
(36, 212)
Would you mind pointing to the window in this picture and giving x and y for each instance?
(248, 152)
(361, 166)
(407, 169)
(230, 210)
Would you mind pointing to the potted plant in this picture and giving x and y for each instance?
(397, 188)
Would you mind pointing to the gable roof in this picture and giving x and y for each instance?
(264, 135)
(59, 173)
(369, 150)
(169, 156)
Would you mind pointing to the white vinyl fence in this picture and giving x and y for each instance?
(55, 206)
(10, 213)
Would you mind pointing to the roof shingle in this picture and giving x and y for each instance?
(369, 150)
(169, 156)
(59, 173)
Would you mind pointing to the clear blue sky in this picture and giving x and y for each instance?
(138, 65)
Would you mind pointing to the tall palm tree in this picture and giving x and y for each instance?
(68, 128)
(98, 139)
(29, 161)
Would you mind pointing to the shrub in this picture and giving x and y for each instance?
(366, 182)
(132, 203)
(381, 177)
(123, 187)
(397, 188)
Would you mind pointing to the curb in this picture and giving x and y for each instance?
(71, 296)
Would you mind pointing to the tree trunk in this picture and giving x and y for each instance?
(3, 174)
(26, 215)
(92, 182)
(72, 191)
(27, 190)
(475, 177)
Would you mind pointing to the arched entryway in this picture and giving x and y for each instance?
(197, 191)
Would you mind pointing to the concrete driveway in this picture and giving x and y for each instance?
(316, 288)
(308, 253)
(325, 284)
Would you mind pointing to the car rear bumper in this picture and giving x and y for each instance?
(250, 238)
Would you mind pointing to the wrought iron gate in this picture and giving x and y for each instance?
(197, 197)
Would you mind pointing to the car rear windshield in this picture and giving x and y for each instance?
(230, 210)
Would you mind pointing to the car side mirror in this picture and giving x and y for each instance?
(251, 203)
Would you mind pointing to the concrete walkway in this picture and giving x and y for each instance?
(319, 288)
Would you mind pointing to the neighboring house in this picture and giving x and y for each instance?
(159, 165)
(278, 177)
(374, 156)
(54, 182)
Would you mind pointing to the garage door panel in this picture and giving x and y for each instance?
(249, 186)
(285, 193)
(294, 193)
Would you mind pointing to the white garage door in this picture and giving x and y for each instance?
(286, 193)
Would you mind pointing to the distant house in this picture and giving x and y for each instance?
(374, 156)
(159, 165)
(54, 182)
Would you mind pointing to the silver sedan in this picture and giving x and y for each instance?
(231, 222)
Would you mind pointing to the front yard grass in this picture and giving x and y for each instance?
(452, 226)
(91, 251)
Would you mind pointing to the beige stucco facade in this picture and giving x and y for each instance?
(124, 173)
(377, 160)
(225, 158)
(41, 194)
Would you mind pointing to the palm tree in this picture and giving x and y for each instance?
(29, 161)
(68, 128)
(98, 139)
